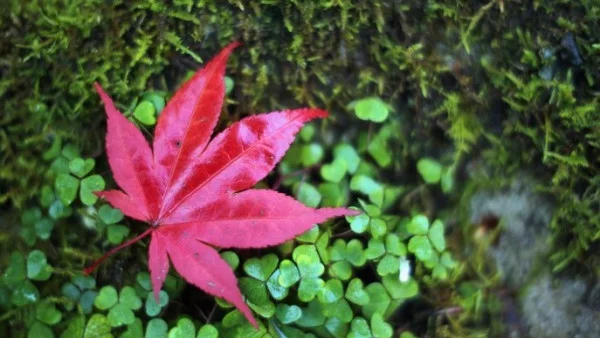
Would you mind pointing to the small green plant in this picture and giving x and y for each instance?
(371, 109)
(151, 104)
(432, 172)
(72, 176)
(429, 245)
(81, 290)
(120, 306)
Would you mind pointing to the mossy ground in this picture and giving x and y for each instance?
(492, 89)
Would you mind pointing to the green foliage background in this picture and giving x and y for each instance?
(494, 88)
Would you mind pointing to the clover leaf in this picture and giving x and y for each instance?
(66, 188)
(109, 215)
(289, 274)
(70, 151)
(80, 167)
(47, 313)
(370, 109)
(60, 165)
(66, 185)
(120, 307)
(143, 285)
(332, 291)
(76, 327)
(81, 290)
(262, 268)
(430, 170)
(341, 270)
(24, 294)
(308, 266)
(257, 297)
(288, 314)
(16, 271)
(339, 309)
(333, 194)
(152, 307)
(312, 315)
(134, 330)
(59, 210)
(359, 223)
(307, 132)
(419, 225)
(336, 327)
(22, 291)
(185, 329)
(398, 289)
(359, 328)
(37, 266)
(394, 245)
(421, 247)
(97, 327)
(30, 216)
(379, 300)
(378, 147)
(345, 255)
(378, 227)
(309, 288)
(369, 187)
(35, 226)
(355, 292)
(375, 248)
(307, 194)
(436, 235)
(208, 331)
(43, 228)
(387, 265)
(145, 112)
(120, 315)
(335, 171)
(40, 330)
(129, 298)
(231, 258)
(229, 83)
(89, 185)
(234, 325)
(348, 154)
(47, 196)
(157, 98)
(380, 327)
(276, 286)
(156, 328)
(107, 298)
(311, 154)
(116, 233)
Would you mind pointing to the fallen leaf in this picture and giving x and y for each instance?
(195, 192)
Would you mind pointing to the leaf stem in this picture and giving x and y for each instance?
(92, 267)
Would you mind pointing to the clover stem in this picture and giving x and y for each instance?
(92, 267)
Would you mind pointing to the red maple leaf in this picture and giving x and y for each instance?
(193, 191)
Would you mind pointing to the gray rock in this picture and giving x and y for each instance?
(556, 309)
(550, 306)
(524, 218)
